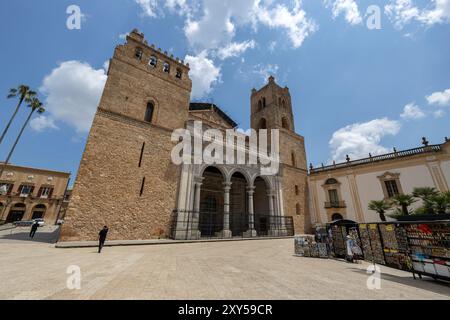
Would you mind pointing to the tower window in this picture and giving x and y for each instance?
(259, 105)
(153, 62)
(297, 209)
(138, 53)
(284, 123)
(262, 124)
(166, 67)
(264, 102)
(283, 104)
(149, 112)
(293, 159)
(179, 73)
(297, 191)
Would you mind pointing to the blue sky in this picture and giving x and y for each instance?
(354, 90)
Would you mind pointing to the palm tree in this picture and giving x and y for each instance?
(426, 194)
(441, 202)
(403, 201)
(36, 106)
(380, 206)
(25, 94)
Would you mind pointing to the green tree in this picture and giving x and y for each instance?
(36, 106)
(426, 194)
(24, 93)
(441, 202)
(403, 202)
(380, 206)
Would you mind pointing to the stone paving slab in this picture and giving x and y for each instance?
(208, 270)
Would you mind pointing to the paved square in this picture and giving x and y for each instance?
(261, 269)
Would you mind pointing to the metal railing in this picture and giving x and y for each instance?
(194, 225)
(335, 204)
(393, 155)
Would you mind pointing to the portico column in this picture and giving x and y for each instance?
(272, 214)
(251, 232)
(195, 232)
(226, 210)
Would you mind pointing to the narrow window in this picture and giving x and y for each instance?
(142, 187)
(166, 67)
(149, 112)
(284, 123)
(259, 105)
(334, 198)
(142, 154)
(153, 62)
(293, 159)
(296, 190)
(262, 124)
(179, 73)
(264, 102)
(392, 188)
(297, 209)
(138, 53)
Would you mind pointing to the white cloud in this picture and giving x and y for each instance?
(42, 123)
(360, 139)
(439, 114)
(402, 12)
(235, 49)
(347, 7)
(203, 74)
(73, 91)
(441, 99)
(295, 22)
(412, 112)
(264, 71)
(148, 7)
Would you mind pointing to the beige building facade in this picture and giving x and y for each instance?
(30, 193)
(127, 179)
(344, 190)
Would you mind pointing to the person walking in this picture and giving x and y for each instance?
(102, 238)
(34, 228)
(349, 245)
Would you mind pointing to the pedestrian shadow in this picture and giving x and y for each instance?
(40, 236)
(426, 283)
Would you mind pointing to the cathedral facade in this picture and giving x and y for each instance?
(128, 181)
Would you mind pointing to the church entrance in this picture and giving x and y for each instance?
(238, 205)
(262, 212)
(211, 203)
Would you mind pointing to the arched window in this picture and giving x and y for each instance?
(331, 181)
(297, 191)
(166, 67)
(279, 102)
(297, 209)
(149, 112)
(259, 105)
(262, 124)
(283, 104)
(138, 53)
(179, 73)
(294, 163)
(336, 217)
(284, 123)
(153, 62)
(264, 102)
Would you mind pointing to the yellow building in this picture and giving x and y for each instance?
(344, 190)
(30, 193)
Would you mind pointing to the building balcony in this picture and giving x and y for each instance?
(335, 204)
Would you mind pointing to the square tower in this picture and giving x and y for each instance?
(271, 108)
(126, 178)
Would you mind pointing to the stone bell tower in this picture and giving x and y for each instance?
(126, 179)
(271, 108)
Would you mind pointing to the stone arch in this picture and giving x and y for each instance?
(38, 211)
(241, 171)
(261, 205)
(155, 103)
(238, 203)
(336, 216)
(17, 212)
(211, 200)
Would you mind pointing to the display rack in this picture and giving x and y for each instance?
(395, 246)
(429, 248)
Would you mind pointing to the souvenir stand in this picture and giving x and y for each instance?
(372, 243)
(395, 246)
(429, 248)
